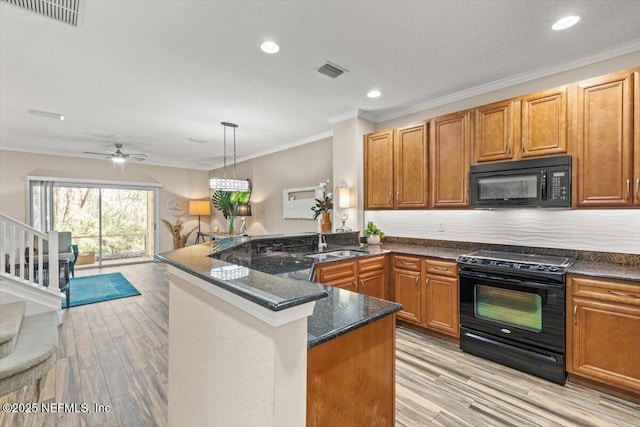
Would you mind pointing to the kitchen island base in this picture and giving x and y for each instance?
(351, 379)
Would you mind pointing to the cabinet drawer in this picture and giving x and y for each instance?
(442, 268)
(337, 271)
(406, 262)
(605, 290)
(372, 263)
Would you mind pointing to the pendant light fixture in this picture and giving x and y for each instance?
(229, 184)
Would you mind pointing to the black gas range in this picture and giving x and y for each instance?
(512, 310)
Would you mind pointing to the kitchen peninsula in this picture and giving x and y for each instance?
(249, 347)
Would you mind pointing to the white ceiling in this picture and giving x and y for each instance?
(151, 74)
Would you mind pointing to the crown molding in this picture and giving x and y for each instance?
(633, 46)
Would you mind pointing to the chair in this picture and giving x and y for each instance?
(72, 264)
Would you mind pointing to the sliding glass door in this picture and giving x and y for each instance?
(109, 225)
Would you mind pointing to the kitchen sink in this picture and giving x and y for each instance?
(336, 254)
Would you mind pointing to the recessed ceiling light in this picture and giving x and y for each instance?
(566, 22)
(47, 114)
(374, 93)
(270, 47)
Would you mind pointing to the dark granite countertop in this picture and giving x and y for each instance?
(272, 292)
(606, 270)
(337, 311)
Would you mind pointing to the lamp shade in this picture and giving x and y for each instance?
(199, 207)
(344, 197)
(242, 210)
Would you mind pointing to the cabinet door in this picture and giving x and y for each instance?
(603, 320)
(636, 134)
(372, 284)
(544, 123)
(450, 142)
(605, 138)
(495, 131)
(378, 170)
(339, 274)
(407, 291)
(372, 276)
(411, 167)
(442, 305)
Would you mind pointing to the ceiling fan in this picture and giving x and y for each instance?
(118, 156)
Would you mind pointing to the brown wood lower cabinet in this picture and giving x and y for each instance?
(408, 288)
(428, 292)
(367, 275)
(441, 307)
(351, 379)
(603, 331)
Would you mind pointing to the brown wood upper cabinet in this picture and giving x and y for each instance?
(395, 168)
(607, 140)
(529, 126)
(450, 149)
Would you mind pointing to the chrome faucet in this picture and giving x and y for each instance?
(321, 242)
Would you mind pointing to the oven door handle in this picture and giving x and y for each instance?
(502, 279)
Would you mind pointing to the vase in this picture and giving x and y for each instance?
(230, 224)
(326, 222)
(374, 239)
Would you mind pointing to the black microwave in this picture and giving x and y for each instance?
(537, 183)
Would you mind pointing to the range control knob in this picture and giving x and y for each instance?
(540, 267)
(473, 260)
(554, 268)
(464, 259)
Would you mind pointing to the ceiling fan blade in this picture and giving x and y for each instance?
(96, 154)
(137, 155)
(139, 159)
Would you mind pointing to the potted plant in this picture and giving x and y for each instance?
(373, 234)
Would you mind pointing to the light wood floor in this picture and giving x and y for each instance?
(115, 353)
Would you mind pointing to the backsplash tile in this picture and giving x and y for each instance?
(614, 231)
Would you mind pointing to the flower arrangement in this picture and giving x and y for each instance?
(324, 200)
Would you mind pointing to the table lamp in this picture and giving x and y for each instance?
(242, 211)
(199, 207)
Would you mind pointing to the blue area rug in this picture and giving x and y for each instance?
(101, 287)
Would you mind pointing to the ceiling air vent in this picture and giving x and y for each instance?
(68, 11)
(331, 70)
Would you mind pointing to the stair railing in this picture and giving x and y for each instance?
(19, 245)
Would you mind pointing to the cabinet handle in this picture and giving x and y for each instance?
(361, 283)
(426, 285)
(628, 188)
(417, 283)
(522, 146)
(575, 315)
(638, 188)
(437, 267)
(355, 285)
(622, 294)
(398, 197)
(407, 263)
(389, 199)
(509, 147)
(466, 194)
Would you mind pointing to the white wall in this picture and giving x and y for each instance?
(302, 166)
(16, 166)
